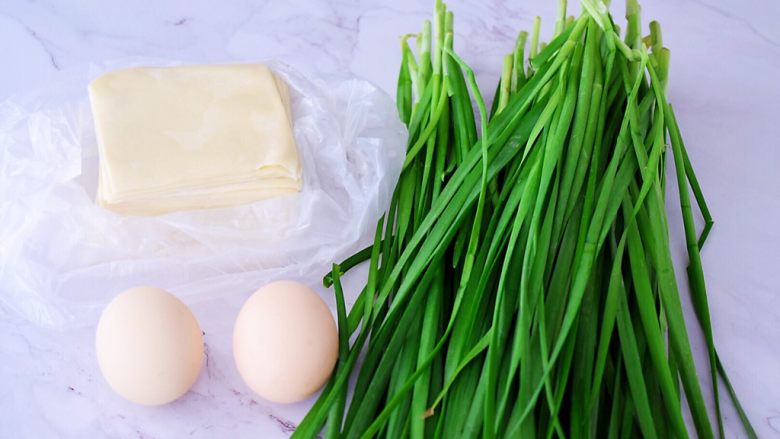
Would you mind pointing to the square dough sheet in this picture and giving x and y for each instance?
(192, 137)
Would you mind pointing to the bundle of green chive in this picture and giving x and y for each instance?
(521, 283)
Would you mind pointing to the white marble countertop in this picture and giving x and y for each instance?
(724, 84)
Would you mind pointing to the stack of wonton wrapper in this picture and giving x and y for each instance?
(192, 137)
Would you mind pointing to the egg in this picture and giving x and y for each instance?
(285, 342)
(149, 346)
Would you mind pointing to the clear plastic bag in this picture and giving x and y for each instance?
(62, 258)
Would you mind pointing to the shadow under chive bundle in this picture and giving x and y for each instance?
(521, 283)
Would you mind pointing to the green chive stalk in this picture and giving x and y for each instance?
(521, 283)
